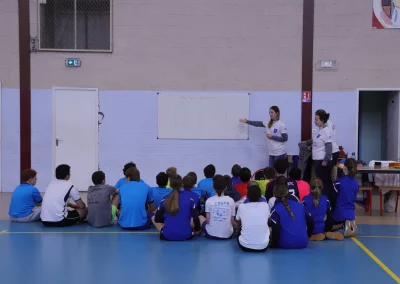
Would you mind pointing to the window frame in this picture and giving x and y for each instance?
(75, 29)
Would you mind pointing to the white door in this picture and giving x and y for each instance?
(393, 152)
(76, 133)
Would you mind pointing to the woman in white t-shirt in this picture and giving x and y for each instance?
(220, 213)
(253, 218)
(276, 134)
(322, 152)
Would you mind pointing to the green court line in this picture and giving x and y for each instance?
(377, 260)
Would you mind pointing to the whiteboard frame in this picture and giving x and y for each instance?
(197, 94)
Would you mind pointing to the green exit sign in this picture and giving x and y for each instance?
(72, 62)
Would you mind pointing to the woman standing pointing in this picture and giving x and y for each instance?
(276, 134)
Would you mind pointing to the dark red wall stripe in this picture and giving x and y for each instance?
(307, 67)
(25, 83)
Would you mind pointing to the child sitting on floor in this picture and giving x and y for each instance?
(171, 172)
(230, 190)
(235, 175)
(245, 176)
(303, 186)
(220, 213)
(123, 180)
(160, 192)
(268, 174)
(291, 226)
(102, 202)
(253, 219)
(317, 205)
(207, 183)
(188, 185)
(346, 188)
(177, 217)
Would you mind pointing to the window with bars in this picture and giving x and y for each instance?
(75, 25)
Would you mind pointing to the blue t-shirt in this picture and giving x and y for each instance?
(199, 191)
(123, 181)
(133, 198)
(262, 199)
(207, 184)
(317, 213)
(347, 188)
(194, 196)
(293, 233)
(23, 199)
(159, 193)
(177, 227)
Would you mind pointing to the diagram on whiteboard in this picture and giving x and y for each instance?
(202, 116)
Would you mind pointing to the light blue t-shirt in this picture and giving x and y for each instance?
(23, 199)
(207, 184)
(133, 198)
(159, 193)
(122, 181)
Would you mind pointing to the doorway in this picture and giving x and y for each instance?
(75, 133)
(378, 125)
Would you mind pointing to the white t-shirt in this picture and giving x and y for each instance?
(221, 209)
(318, 147)
(332, 128)
(254, 217)
(271, 202)
(278, 128)
(55, 200)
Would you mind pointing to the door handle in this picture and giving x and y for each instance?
(57, 140)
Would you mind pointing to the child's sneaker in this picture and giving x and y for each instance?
(317, 237)
(334, 236)
(350, 229)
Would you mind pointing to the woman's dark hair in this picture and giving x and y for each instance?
(133, 174)
(316, 187)
(162, 179)
(128, 166)
(245, 174)
(98, 177)
(62, 171)
(188, 182)
(236, 170)
(351, 166)
(172, 201)
(275, 109)
(219, 184)
(194, 176)
(323, 115)
(280, 193)
(269, 173)
(209, 171)
(26, 175)
(253, 193)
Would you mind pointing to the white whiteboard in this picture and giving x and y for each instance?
(202, 116)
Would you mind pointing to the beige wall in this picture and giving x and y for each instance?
(367, 58)
(9, 57)
(195, 45)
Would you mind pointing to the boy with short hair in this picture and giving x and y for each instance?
(123, 180)
(267, 175)
(303, 186)
(207, 183)
(160, 192)
(102, 200)
(26, 199)
(245, 176)
(235, 175)
(230, 190)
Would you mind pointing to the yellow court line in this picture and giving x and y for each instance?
(380, 237)
(380, 263)
(83, 233)
(3, 232)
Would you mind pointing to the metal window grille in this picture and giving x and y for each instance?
(75, 25)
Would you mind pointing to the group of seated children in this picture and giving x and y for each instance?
(273, 211)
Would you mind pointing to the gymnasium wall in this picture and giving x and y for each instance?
(252, 46)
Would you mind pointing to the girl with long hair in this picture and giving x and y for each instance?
(177, 217)
(291, 225)
(318, 206)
